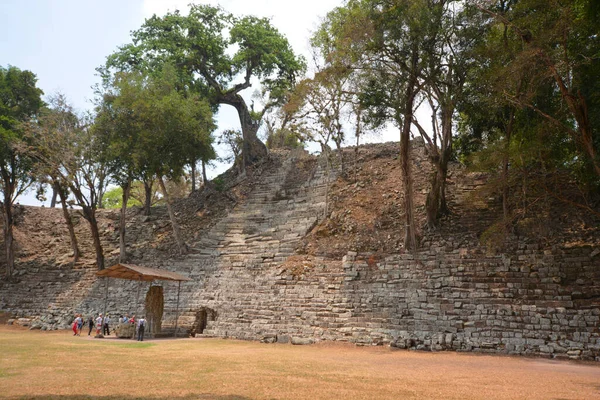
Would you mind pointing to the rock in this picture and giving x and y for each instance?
(301, 341)
(269, 339)
(283, 338)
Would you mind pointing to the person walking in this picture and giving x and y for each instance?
(90, 325)
(106, 329)
(74, 327)
(141, 326)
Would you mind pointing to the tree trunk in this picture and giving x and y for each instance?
(204, 178)
(435, 204)
(89, 213)
(253, 150)
(55, 190)
(101, 190)
(123, 222)
(193, 165)
(505, 166)
(338, 145)
(410, 238)
(8, 187)
(148, 196)
(8, 237)
(176, 232)
(325, 151)
(69, 222)
(357, 133)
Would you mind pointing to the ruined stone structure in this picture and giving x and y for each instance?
(452, 294)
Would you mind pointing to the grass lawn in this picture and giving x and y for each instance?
(57, 365)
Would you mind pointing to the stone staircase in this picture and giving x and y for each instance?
(259, 233)
(266, 227)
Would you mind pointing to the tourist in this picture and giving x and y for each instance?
(90, 325)
(79, 321)
(98, 324)
(74, 327)
(141, 324)
(106, 330)
(132, 320)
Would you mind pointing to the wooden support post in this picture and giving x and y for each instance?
(177, 308)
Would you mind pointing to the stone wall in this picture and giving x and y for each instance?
(451, 295)
(436, 300)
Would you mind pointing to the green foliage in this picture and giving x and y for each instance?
(216, 55)
(234, 141)
(149, 127)
(113, 198)
(538, 83)
(20, 101)
(219, 183)
(284, 139)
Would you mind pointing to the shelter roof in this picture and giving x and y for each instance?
(139, 273)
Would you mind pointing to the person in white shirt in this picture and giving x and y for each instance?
(106, 330)
(141, 326)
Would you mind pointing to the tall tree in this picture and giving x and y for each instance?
(151, 128)
(559, 43)
(454, 30)
(68, 150)
(386, 40)
(20, 101)
(218, 55)
(120, 128)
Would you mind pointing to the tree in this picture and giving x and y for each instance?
(337, 54)
(559, 44)
(152, 129)
(386, 41)
(20, 101)
(455, 29)
(234, 142)
(67, 149)
(52, 119)
(212, 49)
(279, 130)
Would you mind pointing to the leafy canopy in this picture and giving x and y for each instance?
(214, 52)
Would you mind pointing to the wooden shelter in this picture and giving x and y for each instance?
(142, 274)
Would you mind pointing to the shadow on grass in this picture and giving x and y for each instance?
(202, 396)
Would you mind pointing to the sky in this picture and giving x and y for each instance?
(64, 41)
